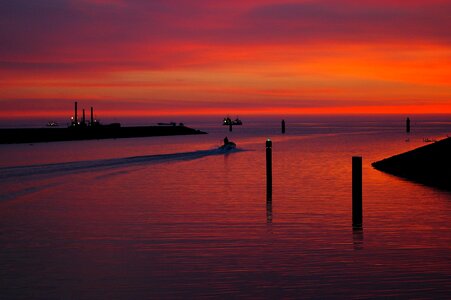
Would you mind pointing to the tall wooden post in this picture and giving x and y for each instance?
(283, 126)
(357, 191)
(408, 125)
(269, 168)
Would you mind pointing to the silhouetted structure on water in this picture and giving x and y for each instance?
(357, 211)
(228, 121)
(269, 169)
(80, 130)
(77, 123)
(430, 164)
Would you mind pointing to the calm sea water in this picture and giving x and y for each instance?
(171, 217)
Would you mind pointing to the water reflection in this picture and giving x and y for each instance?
(269, 208)
(357, 238)
(196, 228)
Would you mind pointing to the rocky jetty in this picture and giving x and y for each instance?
(39, 135)
(429, 165)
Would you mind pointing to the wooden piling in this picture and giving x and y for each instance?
(283, 126)
(357, 191)
(408, 125)
(269, 169)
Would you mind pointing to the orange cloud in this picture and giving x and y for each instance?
(244, 56)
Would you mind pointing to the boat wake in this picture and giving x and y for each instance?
(12, 173)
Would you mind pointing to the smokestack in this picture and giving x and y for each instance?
(76, 114)
(92, 116)
(83, 120)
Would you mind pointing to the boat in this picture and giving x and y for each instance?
(237, 122)
(170, 124)
(228, 146)
(227, 121)
(52, 124)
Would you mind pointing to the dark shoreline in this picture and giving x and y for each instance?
(429, 164)
(42, 135)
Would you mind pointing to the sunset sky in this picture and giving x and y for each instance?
(168, 57)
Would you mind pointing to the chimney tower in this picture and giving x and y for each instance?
(76, 114)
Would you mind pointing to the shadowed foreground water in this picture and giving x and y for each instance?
(110, 219)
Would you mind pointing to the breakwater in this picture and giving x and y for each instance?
(430, 164)
(40, 135)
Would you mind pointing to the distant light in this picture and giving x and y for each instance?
(269, 140)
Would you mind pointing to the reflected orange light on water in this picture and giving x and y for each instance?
(164, 217)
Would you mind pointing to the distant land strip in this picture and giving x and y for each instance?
(41, 135)
(429, 164)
